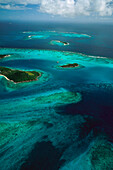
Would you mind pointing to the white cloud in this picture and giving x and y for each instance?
(69, 8)
(103, 7)
(78, 7)
(12, 7)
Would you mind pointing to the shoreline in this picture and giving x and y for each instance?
(74, 65)
(40, 74)
(58, 41)
(4, 56)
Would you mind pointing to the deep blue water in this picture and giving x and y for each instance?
(101, 43)
(65, 131)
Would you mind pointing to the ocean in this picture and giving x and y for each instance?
(64, 120)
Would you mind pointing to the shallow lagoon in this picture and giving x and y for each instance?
(47, 34)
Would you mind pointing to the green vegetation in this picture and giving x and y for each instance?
(18, 75)
(70, 65)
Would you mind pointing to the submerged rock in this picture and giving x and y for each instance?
(101, 156)
(59, 98)
(98, 157)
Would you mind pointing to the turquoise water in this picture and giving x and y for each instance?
(47, 34)
(62, 121)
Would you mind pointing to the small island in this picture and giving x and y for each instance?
(18, 76)
(59, 43)
(70, 65)
(40, 36)
(3, 56)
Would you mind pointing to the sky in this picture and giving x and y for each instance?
(74, 10)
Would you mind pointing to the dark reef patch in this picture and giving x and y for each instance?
(48, 125)
(98, 113)
(91, 125)
(102, 156)
(44, 156)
